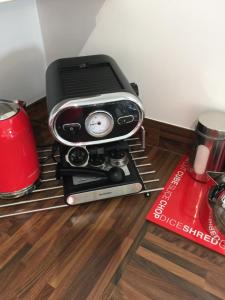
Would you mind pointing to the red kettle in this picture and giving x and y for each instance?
(19, 165)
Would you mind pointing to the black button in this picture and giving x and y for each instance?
(71, 127)
(125, 120)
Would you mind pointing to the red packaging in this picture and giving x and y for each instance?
(183, 208)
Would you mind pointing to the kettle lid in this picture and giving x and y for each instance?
(8, 109)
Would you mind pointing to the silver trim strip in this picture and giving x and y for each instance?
(138, 158)
(132, 139)
(143, 165)
(45, 157)
(134, 145)
(49, 179)
(143, 137)
(99, 99)
(50, 164)
(137, 151)
(152, 180)
(151, 190)
(30, 201)
(47, 172)
(33, 211)
(104, 193)
(48, 189)
(45, 150)
(148, 172)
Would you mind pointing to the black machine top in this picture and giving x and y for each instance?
(84, 76)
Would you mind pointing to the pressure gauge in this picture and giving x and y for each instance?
(99, 123)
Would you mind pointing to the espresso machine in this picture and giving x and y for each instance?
(93, 111)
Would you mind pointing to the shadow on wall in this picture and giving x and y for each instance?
(66, 25)
(22, 75)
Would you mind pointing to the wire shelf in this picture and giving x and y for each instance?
(49, 195)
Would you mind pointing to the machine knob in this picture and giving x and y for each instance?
(125, 120)
(116, 175)
(77, 156)
(71, 127)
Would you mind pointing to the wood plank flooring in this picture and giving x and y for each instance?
(104, 250)
(166, 266)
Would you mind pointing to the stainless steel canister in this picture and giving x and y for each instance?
(209, 152)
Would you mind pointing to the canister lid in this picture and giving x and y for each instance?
(8, 109)
(212, 124)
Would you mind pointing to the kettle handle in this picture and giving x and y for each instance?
(20, 103)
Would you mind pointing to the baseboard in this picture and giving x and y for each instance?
(38, 110)
(170, 137)
(167, 136)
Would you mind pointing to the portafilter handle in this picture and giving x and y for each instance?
(114, 175)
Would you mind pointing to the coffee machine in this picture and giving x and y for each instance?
(93, 110)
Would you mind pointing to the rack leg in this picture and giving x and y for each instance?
(143, 137)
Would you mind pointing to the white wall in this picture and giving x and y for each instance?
(173, 49)
(22, 60)
(66, 25)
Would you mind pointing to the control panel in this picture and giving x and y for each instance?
(90, 123)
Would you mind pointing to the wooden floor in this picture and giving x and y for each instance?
(105, 250)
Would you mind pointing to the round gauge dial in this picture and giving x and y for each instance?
(99, 123)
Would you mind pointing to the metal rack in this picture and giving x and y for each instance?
(49, 183)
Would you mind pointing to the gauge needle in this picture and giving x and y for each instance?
(96, 123)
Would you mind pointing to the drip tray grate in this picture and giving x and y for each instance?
(49, 195)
